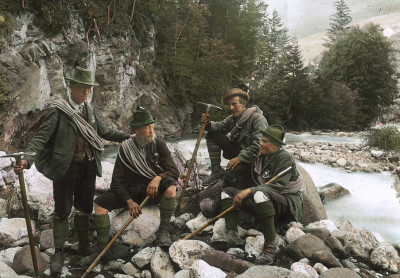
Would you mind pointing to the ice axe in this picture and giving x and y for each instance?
(112, 241)
(229, 209)
(190, 168)
(17, 157)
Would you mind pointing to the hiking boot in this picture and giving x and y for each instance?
(215, 176)
(84, 249)
(267, 256)
(57, 262)
(163, 237)
(88, 260)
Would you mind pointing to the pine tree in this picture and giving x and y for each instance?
(340, 21)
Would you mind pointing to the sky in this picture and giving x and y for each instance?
(306, 17)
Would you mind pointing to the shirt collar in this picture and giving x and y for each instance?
(77, 107)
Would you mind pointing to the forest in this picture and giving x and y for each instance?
(205, 47)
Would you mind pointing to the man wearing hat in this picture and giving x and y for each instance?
(238, 136)
(68, 150)
(277, 202)
(144, 167)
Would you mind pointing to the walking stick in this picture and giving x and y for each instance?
(230, 208)
(17, 157)
(112, 241)
(190, 168)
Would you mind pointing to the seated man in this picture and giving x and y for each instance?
(144, 167)
(238, 136)
(280, 201)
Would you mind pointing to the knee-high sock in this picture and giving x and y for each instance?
(60, 232)
(265, 216)
(102, 225)
(214, 151)
(230, 217)
(167, 206)
(82, 228)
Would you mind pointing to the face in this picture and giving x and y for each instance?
(266, 146)
(145, 134)
(235, 107)
(79, 92)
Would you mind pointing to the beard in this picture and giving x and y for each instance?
(144, 140)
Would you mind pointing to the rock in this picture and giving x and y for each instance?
(5, 162)
(210, 207)
(313, 209)
(130, 269)
(293, 233)
(336, 247)
(22, 262)
(6, 271)
(161, 265)
(145, 274)
(320, 268)
(340, 235)
(360, 243)
(254, 245)
(236, 252)
(322, 233)
(185, 252)
(331, 191)
(385, 257)
(103, 182)
(143, 257)
(201, 269)
(310, 246)
(327, 224)
(196, 223)
(3, 206)
(46, 240)
(269, 272)
(113, 265)
(7, 256)
(394, 158)
(184, 273)
(226, 262)
(13, 229)
(180, 222)
(305, 269)
(341, 162)
(339, 273)
(140, 232)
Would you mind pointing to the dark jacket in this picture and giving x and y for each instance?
(125, 181)
(249, 137)
(272, 165)
(55, 141)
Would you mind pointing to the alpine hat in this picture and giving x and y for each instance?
(275, 132)
(82, 76)
(142, 116)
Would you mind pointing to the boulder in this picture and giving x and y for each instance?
(270, 272)
(339, 273)
(12, 230)
(185, 252)
(143, 257)
(332, 191)
(226, 262)
(161, 265)
(201, 269)
(360, 243)
(22, 262)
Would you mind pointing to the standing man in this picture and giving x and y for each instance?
(280, 201)
(238, 136)
(144, 167)
(68, 150)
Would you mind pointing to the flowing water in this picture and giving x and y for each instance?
(373, 203)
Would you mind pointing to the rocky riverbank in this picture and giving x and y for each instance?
(317, 247)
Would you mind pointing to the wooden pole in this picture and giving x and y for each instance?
(112, 241)
(230, 208)
(27, 216)
(190, 168)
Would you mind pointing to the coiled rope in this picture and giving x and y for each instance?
(135, 159)
(87, 131)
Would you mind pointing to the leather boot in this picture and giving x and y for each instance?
(57, 261)
(88, 260)
(268, 254)
(217, 173)
(163, 237)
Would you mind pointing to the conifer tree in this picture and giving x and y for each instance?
(340, 21)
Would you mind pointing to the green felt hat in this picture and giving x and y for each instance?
(275, 132)
(82, 76)
(142, 116)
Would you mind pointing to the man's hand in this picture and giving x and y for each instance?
(233, 163)
(18, 169)
(237, 201)
(134, 208)
(205, 119)
(152, 188)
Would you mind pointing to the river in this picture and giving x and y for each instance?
(373, 203)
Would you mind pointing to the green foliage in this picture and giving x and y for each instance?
(362, 60)
(386, 138)
(4, 88)
(340, 20)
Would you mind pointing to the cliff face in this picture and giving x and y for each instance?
(33, 67)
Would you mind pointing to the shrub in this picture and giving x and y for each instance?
(386, 138)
